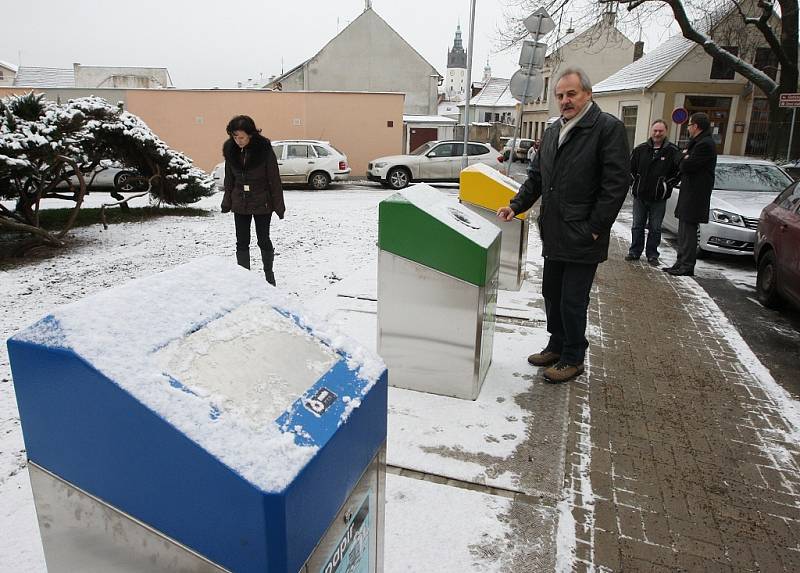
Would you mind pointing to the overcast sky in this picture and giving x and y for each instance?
(210, 43)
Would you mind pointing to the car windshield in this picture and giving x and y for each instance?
(422, 149)
(750, 177)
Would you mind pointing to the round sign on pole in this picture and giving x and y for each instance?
(525, 87)
(680, 115)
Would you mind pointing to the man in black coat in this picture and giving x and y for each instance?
(581, 173)
(654, 172)
(697, 181)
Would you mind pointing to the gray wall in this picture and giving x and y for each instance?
(370, 56)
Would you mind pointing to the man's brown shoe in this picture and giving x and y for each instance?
(562, 372)
(544, 358)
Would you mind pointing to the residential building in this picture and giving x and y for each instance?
(369, 56)
(93, 77)
(599, 50)
(8, 72)
(492, 104)
(680, 74)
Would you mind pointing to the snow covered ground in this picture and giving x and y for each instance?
(325, 247)
(326, 256)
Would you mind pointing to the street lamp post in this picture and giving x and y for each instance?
(469, 82)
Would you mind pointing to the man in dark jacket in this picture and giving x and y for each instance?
(654, 171)
(697, 181)
(581, 173)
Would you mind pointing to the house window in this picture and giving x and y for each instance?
(1, 75)
(759, 128)
(546, 88)
(720, 70)
(487, 117)
(766, 61)
(629, 116)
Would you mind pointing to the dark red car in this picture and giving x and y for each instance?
(777, 249)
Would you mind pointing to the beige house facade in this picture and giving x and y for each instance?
(680, 74)
(361, 125)
(600, 51)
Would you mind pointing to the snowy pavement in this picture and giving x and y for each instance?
(326, 247)
(472, 486)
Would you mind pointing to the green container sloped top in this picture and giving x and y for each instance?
(424, 225)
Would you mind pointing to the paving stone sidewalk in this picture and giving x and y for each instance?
(677, 457)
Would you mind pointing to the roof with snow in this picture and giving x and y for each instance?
(8, 66)
(495, 93)
(648, 69)
(45, 77)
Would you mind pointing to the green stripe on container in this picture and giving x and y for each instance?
(406, 230)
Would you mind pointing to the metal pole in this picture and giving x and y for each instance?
(518, 127)
(464, 160)
(791, 134)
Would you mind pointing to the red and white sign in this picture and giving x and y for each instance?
(789, 100)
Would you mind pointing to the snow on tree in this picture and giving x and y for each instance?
(43, 144)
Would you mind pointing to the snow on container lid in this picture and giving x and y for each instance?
(486, 187)
(223, 358)
(424, 225)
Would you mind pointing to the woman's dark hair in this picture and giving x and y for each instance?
(700, 120)
(243, 123)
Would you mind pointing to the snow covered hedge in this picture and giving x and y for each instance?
(43, 143)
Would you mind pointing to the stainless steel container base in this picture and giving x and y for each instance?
(435, 331)
(82, 533)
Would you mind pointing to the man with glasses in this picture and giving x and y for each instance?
(654, 172)
(697, 180)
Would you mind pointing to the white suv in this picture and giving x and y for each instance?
(303, 161)
(432, 161)
(310, 161)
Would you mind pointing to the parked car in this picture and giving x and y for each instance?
(432, 161)
(218, 175)
(777, 249)
(521, 151)
(742, 187)
(312, 162)
(792, 168)
(111, 178)
(302, 161)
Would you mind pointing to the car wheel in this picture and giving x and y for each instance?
(398, 177)
(767, 281)
(319, 180)
(122, 183)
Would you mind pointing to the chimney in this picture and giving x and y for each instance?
(638, 50)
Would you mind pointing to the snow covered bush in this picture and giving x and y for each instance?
(43, 143)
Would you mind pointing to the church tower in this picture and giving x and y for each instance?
(456, 77)
(487, 72)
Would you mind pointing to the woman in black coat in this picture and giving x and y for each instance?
(697, 181)
(252, 189)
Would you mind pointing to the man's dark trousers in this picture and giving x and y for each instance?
(565, 287)
(649, 214)
(687, 246)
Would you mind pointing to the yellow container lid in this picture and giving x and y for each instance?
(486, 187)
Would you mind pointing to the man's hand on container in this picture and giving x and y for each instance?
(506, 213)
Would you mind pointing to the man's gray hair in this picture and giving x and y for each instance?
(586, 83)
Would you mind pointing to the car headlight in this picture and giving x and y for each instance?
(726, 218)
(380, 164)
